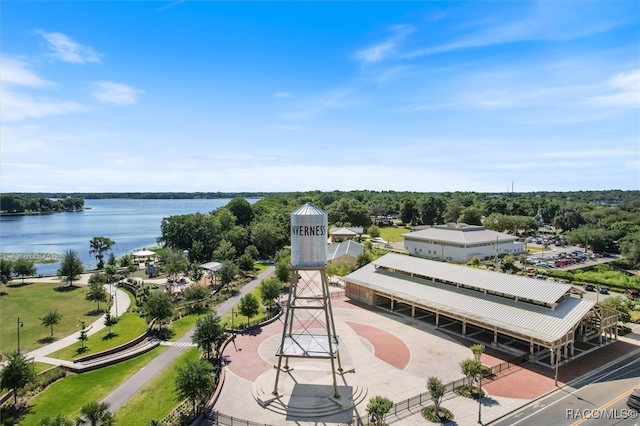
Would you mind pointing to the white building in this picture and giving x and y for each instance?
(460, 242)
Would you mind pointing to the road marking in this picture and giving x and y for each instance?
(604, 406)
(599, 378)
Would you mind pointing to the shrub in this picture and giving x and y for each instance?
(443, 416)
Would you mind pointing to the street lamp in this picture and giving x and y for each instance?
(480, 401)
(114, 296)
(20, 325)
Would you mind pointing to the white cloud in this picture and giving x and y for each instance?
(282, 95)
(67, 50)
(627, 87)
(16, 71)
(115, 93)
(16, 106)
(381, 51)
(546, 21)
(334, 99)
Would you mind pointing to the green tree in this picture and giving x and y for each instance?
(225, 251)
(194, 382)
(408, 211)
(96, 414)
(96, 291)
(23, 266)
(245, 263)
(208, 333)
(437, 390)
(84, 334)
(57, 420)
(70, 267)
(242, 210)
(344, 270)
(196, 293)
(109, 320)
(253, 252)
(363, 259)
(16, 374)
(270, 290)
(378, 408)
(196, 272)
(227, 273)
(6, 270)
(249, 307)
(621, 304)
(283, 272)
(630, 247)
(373, 231)
(470, 368)
(99, 246)
(265, 236)
(159, 306)
(331, 271)
(51, 318)
(175, 262)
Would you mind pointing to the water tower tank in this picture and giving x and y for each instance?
(309, 236)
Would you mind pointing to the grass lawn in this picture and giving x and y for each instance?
(183, 325)
(157, 398)
(31, 301)
(393, 234)
(68, 395)
(128, 328)
(239, 319)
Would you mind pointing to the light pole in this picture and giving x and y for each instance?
(20, 325)
(480, 401)
(114, 296)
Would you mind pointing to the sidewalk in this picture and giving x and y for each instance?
(121, 305)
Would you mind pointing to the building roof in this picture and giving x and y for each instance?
(460, 234)
(211, 266)
(510, 286)
(515, 317)
(348, 247)
(354, 231)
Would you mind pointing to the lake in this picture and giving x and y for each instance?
(132, 224)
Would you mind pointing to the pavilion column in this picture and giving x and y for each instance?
(553, 356)
(495, 338)
(437, 319)
(413, 311)
(464, 328)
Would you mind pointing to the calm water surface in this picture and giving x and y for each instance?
(132, 224)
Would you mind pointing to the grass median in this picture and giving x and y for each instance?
(157, 398)
(68, 395)
(129, 327)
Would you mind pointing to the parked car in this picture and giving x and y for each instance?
(634, 294)
(634, 400)
(589, 287)
(603, 290)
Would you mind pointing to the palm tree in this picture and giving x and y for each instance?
(52, 318)
(96, 414)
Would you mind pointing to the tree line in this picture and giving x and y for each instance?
(12, 203)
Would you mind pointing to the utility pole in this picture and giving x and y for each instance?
(20, 325)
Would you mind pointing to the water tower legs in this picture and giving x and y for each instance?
(308, 309)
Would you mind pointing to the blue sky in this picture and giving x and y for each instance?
(295, 96)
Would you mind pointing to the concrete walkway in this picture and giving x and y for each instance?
(129, 388)
(392, 356)
(121, 305)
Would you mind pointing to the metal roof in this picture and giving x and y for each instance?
(349, 247)
(519, 318)
(460, 235)
(309, 209)
(499, 283)
(347, 231)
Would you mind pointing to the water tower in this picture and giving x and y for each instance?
(309, 330)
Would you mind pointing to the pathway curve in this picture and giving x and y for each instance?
(130, 387)
(121, 306)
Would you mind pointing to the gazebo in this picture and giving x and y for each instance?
(212, 270)
(142, 256)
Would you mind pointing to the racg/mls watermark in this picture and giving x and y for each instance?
(603, 414)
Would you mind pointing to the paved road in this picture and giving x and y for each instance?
(597, 400)
(129, 388)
